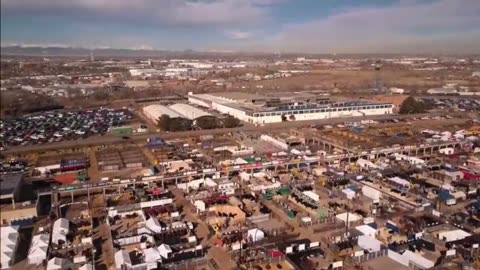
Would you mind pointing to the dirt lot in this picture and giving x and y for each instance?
(349, 80)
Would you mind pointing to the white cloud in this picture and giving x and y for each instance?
(157, 12)
(238, 35)
(168, 12)
(410, 26)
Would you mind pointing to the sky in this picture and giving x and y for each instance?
(309, 26)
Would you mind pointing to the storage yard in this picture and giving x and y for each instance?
(59, 126)
(286, 199)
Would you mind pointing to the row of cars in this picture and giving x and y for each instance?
(60, 125)
(461, 104)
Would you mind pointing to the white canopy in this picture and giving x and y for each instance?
(366, 230)
(8, 244)
(164, 250)
(151, 255)
(351, 217)
(58, 264)
(256, 235)
(369, 243)
(60, 230)
(86, 266)
(240, 161)
(454, 235)
(122, 258)
(400, 181)
(38, 249)
(418, 259)
(153, 225)
(350, 193)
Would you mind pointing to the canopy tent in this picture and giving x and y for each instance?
(122, 258)
(60, 230)
(351, 217)
(349, 193)
(151, 255)
(256, 235)
(59, 263)
(369, 243)
(164, 250)
(154, 225)
(8, 244)
(400, 181)
(366, 230)
(38, 249)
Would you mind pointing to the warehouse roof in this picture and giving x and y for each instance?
(155, 111)
(9, 183)
(188, 111)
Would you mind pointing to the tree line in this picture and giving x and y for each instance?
(167, 123)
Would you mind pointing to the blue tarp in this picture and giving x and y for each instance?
(445, 196)
(392, 227)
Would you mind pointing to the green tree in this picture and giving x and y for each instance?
(163, 122)
(411, 105)
(180, 124)
(230, 122)
(206, 122)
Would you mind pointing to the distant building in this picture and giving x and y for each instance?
(257, 109)
(395, 90)
(442, 91)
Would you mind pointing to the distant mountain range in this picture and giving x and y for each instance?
(44, 51)
(109, 52)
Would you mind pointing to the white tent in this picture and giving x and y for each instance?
(210, 183)
(366, 230)
(371, 193)
(454, 235)
(60, 230)
(240, 161)
(200, 205)
(256, 235)
(351, 217)
(366, 163)
(245, 176)
(86, 266)
(38, 249)
(8, 245)
(122, 258)
(400, 181)
(312, 195)
(418, 259)
(369, 243)
(349, 193)
(153, 225)
(164, 250)
(151, 255)
(59, 264)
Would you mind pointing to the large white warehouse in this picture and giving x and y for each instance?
(153, 112)
(263, 110)
(188, 111)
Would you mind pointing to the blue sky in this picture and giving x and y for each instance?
(318, 26)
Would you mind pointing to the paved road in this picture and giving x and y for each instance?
(110, 139)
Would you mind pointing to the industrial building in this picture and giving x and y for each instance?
(153, 112)
(257, 109)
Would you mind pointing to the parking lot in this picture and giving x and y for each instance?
(60, 126)
(460, 104)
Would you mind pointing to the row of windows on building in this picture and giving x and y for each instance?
(356, 108)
